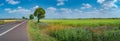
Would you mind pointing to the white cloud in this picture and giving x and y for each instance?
(66, 10)
(86, 6)
(52, 12)
(19, 10)
(19, 7)
(13, 2)
(78, 11)
(51, 8)
(100, 1)
(61, 2)
(106, 4)
(35, 7)
(7, 9)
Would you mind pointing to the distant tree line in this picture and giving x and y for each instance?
(39, 13)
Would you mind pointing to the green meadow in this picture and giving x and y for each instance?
(75, 30)
(86, 22)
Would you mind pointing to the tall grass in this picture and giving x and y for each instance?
(71, 35)
(78, 34)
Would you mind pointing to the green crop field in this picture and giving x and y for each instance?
(75, 30)
(78, 23)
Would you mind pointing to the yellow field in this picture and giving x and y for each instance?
(10, 20)
(6, 21)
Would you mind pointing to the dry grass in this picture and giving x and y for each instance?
(51, 27)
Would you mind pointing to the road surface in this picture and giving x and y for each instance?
(15, 31)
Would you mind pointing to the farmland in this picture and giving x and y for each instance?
(75, 30)
(78, 23)
(6, 21)
(1, 22)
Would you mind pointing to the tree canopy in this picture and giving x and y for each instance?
(39, 13)
(31, 16)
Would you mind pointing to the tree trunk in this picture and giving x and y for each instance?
(38, 20)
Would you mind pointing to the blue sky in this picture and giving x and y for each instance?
(61, 8)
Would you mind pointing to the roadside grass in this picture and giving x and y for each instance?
(34, 33)
(76, 30)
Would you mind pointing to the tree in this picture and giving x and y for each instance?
(23, 17)
(31, 16)
(39, 13)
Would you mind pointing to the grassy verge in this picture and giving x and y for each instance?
(35, 35)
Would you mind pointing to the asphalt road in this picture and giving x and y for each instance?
(15, 31)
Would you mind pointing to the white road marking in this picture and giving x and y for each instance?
(11, 28)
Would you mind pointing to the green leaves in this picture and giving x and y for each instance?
(39, 13)
(31, 16)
